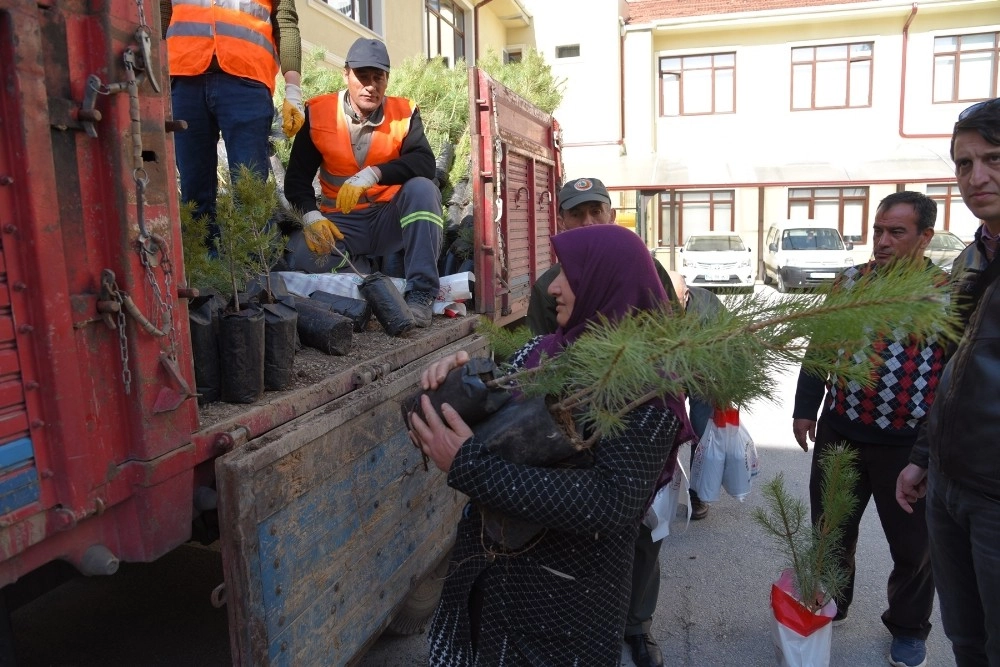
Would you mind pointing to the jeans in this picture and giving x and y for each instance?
(964, 527)
(217, 103)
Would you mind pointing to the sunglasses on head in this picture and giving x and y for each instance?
(977, 107)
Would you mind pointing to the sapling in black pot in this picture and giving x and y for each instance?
(247, 247)
(731, 359)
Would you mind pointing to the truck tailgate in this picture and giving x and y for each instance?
(328, 522)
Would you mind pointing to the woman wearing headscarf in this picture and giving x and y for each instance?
(561, 599)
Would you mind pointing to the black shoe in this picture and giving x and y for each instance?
(421, 303)
(699, 508)
(645, 652)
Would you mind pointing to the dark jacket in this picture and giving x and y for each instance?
(561, 600)
(960, 438)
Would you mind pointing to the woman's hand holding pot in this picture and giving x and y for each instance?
(435, 374)
(439, 440)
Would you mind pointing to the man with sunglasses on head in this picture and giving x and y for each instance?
(956, 459)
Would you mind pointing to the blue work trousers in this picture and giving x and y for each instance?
(964, 527)
(411, 222)
(217, 104)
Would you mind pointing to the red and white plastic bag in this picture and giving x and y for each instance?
(726, 457)
(801, 638)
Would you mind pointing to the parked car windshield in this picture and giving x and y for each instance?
(715, 243)
(945, 241)
(811, 239)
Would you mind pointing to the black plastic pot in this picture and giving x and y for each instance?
(280, 339)
(323, 328)
(387, 303)
(357, 309)
(203, 317)
(241, 344)
(465, 390)
(524, 431)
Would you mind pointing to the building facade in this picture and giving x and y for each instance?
(715, 115)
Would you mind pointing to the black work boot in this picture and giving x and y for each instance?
(645, 652)
(421, 303)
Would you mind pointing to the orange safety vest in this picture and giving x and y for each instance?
(238, 33)
(332, 138)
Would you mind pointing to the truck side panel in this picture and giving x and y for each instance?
(516, 172)
(81, 164)
(328, 522)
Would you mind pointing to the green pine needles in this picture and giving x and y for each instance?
(248, 245)
(733, 358)
(813, 551)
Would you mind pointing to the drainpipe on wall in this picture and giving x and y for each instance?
(902, 82)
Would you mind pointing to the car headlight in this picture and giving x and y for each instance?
(849, 262)
(745, 262)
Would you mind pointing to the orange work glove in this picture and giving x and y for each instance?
(321, 234)
(351, 191)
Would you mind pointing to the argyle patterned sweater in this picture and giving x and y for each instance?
(890, 410)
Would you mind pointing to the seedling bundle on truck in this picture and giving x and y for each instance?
(329, 522)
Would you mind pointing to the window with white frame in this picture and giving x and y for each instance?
(835, 76)
(364, 12)
(843, 208)
(445, 31)
(965, 67)
(952, 213)
(697, 211)
(698, 84)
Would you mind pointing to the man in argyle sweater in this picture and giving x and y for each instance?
(880, 423)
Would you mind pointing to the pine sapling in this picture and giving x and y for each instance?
(813, 552)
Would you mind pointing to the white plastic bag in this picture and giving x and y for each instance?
(801, 638)
(726, 458)
(343, 284)
(665, 503)
(742, 464)
(709, 462)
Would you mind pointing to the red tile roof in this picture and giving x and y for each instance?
(647, 11)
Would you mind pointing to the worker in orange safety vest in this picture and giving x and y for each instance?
(375, 169)
(224, 57)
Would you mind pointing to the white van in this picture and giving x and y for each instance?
(802, 254)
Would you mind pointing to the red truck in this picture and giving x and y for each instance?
(329, 520)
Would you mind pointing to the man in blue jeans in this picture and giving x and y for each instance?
(956, 459)
(223, 65)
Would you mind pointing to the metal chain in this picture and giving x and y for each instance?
(163, 311)
(142, 15)
(498, 185)
(123, 342)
